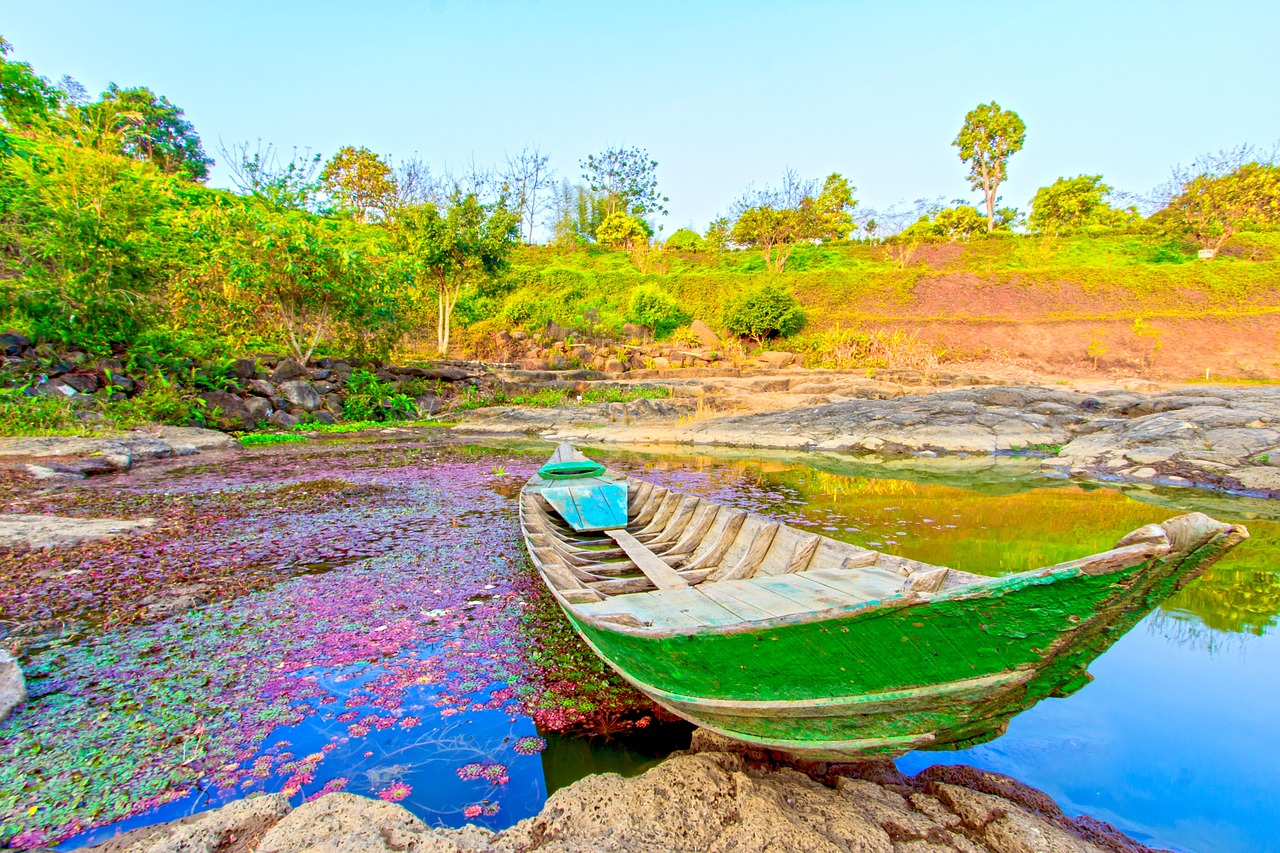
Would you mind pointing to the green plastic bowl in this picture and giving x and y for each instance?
(570, 470)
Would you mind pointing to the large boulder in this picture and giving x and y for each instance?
(227, 411)
(261, 388)
(346, 822)
(283, 420)
(301, 394)
(259, 408)
(12, 343)
(287, 369)
(244, 368)
(777, 359)
(429, 404)
(705, 335)
(234, 828)
(13, 687)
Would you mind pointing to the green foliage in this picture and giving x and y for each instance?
(952, 224)
(613, 394)
(368, 398)
(1072, 204)
(1212, 208)
(259, 439)
(773, 221)
(153, 129)
(989, 137)
(26, 98)
(623, 231)
(653, 307)
(764, 311)
(627, 178)
(360, 182)
(685, 240)
(23, 415)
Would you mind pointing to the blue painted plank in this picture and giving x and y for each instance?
(590, 504)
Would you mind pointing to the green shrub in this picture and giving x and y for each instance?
(653, 307)
(685, 240)
(368, 398)
(764, 311)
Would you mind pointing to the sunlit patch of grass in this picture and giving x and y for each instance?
(258, 439)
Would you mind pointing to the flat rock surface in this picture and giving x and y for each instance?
(717, 797)
(71, 457)
(51, 531)
(1220, 437)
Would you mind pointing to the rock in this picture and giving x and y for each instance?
(636, 332)
(261, 387)
(282, 419)
(323, 417)
(704, 334)
(333, 402)
(55, 531)
(287, 369)
(12, 343)
(448, 374)
(56, 388)
(428, 405)
(300, 393)
(614, 365)
(82, 382)
(777, 359)
(661, 363)
(122, 383)
(227, 411)
(320, 374)
(259, 408)
(13, 686)
(59, 368)
(323, 387)
(346, 822)
(234, 828)
(244, 368)
(175, 599)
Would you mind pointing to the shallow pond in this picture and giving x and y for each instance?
(376, 628)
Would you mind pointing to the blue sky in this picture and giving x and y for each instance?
(721, 94)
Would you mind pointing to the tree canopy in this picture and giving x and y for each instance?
(628, 178)
(153, 129)
(774, 220)
(989, 137)
(359, 182)
(1073, 204)
(1212, 208)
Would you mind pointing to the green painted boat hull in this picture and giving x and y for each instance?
(945, 669)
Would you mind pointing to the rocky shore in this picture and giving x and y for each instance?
(718, 796)
(1216, 437)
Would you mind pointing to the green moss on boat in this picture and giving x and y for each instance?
(798, 642)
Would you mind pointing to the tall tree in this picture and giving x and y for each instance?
(989, 137)
(579, 212)
(360, 182)
(455, 249)
(1214, 208)
(628, 178)
(528, 177)
(261, 172)
(154, 129)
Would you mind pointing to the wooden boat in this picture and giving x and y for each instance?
(793, 641)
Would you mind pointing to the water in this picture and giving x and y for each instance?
(396, 644)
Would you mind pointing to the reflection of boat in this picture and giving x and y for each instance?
(795, 641)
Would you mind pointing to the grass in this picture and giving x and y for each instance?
(258, 439)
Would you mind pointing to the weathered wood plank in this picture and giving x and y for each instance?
(662, 575)
(802, 556)
(814, 596)
(859, 585)
(750, 561)
(696, 605)
(715, 554)
(749, 593)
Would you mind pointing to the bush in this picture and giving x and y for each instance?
(685, 240)
(653, 307)
(763, 312)
(370, 399)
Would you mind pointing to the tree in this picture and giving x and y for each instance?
(952, 224)
(452, 250)
(774, 220)
(360, 182)
(285, 184)
(1212, 208)
(528, 177)
(764, 311)
(579, 213)
(620, 231)
(1071, 204)
(25, 97)
(717, 234)
(989, 137)
(154, 129)
(627, 178)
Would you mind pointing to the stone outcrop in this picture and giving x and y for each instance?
(56, 531)
(1219, 437)
(235, 828)
(73, 457)
(13, 686)
(719, 796)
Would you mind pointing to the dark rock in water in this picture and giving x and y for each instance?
(282, 419)
(259, 408)
(261, 387)
(301, 394)
(227, 411)
(244, 368)
(429, 404)
(12, 343)
(287, 369)
(13, 686)
(82, 382)
(324, 417)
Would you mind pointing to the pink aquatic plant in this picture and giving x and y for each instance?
(395, 792)
(529, 745)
